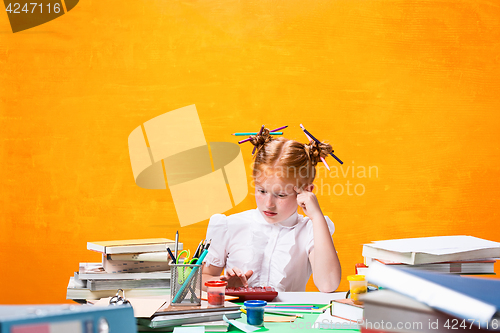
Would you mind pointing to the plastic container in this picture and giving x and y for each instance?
(185, 284)
(357, 285)
(216, 291)
(255, 312)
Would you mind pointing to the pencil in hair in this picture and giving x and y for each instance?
(255, 133)
(317, 141)
(260, 132)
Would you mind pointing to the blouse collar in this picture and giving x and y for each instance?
(289, 222)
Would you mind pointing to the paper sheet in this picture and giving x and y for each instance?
(196, 329)
(244, 327)
(143, 307)
(327, 321)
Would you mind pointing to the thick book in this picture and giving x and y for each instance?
(452, 267)
(343, 314)
(75, 292)
(65, 318)
(147, 256)
(466, 298)
(169, 315)
(426, 250)
(400, 313)
(131, 245)
(346, 309)
(95, 285)
(193, 318)
(125, 266)
(95, 271)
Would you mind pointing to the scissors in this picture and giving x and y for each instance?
(183, 272)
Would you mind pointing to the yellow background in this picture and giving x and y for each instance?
(409, 87)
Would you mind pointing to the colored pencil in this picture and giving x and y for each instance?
(312, 136)
(322, 159)
(274, 130)
(260, 132)
(255, 133)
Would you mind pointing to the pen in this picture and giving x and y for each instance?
(176, 243)
(196, 253)
(171, 255)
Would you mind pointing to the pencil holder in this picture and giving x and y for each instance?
(185, 284)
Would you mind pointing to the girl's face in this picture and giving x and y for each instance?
(276, 199)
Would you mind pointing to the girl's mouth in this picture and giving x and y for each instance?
(268, 213)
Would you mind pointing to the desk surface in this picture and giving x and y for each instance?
(300, 324)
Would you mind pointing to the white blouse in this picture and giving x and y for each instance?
(278, 254)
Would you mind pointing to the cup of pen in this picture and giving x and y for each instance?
(185, 284)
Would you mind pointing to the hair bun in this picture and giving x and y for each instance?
(260, 140)
(315, 151)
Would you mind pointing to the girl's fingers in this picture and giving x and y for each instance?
(229, 272)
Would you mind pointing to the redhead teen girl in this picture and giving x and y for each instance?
(273, 245)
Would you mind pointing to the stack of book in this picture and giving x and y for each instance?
(168, 317)
(420, 301)
(140, 267)
(462, 255)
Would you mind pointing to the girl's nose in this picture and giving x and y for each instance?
(270, 201)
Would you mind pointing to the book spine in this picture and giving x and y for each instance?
(431, 294)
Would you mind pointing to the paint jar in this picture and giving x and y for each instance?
(255, 312)
(216, 293)
(357, 286)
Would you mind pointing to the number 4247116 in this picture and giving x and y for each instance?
(33, 7)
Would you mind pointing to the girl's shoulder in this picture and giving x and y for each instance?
(234, 219)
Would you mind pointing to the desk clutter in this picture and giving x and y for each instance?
(423, 287)
(139, 266)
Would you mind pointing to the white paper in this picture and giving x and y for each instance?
(307, 297)
(196, 329)
(244, 327)
(327, 321)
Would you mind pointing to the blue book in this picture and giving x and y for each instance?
(66, 319)
(475, 300)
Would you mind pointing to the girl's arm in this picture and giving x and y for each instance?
(209, 273)
(324, 260)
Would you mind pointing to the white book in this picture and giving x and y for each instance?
(131, 245)
(91, 271)
(95, 285)
(132, 266)
(77, 293)
(432, 249)
(461, 297)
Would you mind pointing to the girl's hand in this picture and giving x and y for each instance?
(308, 201)
(236, 278)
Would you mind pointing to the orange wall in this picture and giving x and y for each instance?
(410, 88)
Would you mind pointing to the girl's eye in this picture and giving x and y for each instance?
(262, 191)
(282, 195)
